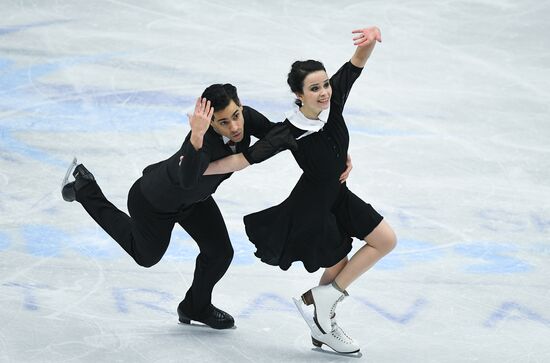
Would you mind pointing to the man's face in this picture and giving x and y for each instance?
(229, 122)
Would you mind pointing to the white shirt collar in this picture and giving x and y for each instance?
(232, 147)
(297, 118)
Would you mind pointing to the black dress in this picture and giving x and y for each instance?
(316, 222)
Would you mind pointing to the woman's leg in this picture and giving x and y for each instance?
(325, 297)
(380, 242)
(331, 272)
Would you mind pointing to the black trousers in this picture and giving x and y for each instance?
(145, 236)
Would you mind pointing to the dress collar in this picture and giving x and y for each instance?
(297, 118)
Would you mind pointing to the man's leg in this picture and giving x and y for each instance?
(207, 227)
(142, 236)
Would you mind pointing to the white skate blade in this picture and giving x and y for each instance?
(68, 173)
(308, 319)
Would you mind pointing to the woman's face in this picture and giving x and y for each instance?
(316, 94)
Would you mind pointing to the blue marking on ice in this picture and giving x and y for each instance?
(43, 241)
(495, 256)
(29, 297)
(511, 310)
(4, 241)
(18, 28)
(412, 311)
(153, 299)
(267, 301)
(408, 252)
(94, 242)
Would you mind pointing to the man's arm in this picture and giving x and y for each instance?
(257, 124)
(200, 121)
(228, 164)
(195, 157)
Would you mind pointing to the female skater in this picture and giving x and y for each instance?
(316, 222)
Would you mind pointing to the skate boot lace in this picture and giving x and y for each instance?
(333, 307)
(338, 333)
(219, 315)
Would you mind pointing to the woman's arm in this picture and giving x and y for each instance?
(226, 165)
(365, 40)
(279, 138)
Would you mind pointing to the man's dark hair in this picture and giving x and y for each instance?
(220, 95)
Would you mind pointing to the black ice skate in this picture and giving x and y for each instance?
(217, 319)
(82, 177)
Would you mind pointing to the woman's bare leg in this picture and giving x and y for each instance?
(379, 243)
(331, 272)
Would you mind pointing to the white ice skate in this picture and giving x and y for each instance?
(324, 298)
(336, 339)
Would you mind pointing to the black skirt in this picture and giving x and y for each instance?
(315, 225)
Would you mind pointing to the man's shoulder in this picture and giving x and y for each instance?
(249, 112)
(212, 137)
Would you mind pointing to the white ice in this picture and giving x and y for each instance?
(450, 134)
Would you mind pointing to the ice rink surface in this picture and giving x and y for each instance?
(450, 141)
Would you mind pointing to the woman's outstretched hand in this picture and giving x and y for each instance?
(366, 36)
(365, 40)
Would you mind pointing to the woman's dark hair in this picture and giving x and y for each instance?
(220, 95)
(298, 72)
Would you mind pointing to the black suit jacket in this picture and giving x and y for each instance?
(170, 186)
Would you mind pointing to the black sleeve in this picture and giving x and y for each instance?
(194, 162)
(257, 123)
(294, 131)
(342, 81)
(279, 138)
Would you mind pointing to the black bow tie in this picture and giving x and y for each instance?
(230, 143)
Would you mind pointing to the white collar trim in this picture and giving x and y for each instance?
(297, 118)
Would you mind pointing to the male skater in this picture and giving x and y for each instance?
(176, 191)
